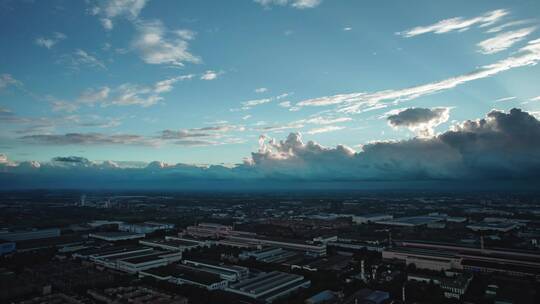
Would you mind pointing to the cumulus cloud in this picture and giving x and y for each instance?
(158, 45)
(419, 120)
(501, 146)
(261, 90)
(503, 41)
(300, 4)
(528, 55)
(108, 10)
(49, 42)
(456, 24)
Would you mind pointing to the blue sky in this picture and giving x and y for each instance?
(199, 82)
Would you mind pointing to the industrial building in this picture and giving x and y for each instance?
(146, 227)
(33, 234)
(440, 256)
(231, 273)
(130, 259)
(181, 274)
(308, 249)
(132, 294)
(175, 243)
(267, 254)
(208, 230)
(370, 218)
(116, 236)
(493, 226)
(453, 287)
(213, 231)
(411, 221)
(269, 286)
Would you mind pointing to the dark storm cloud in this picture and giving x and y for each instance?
(419, 120)
(415, 116)
(501, 146)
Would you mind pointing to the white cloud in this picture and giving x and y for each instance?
(537, 98)
(346, 29)
(505, 99)
(360, 102)
(261, 90)
(126, 94)
(325, 129)
(300, 4)
(6, 80)
(157, 45)
(167, 84)
(279, 128)
(501, 27)
(209, 75)
(503, 41)
(92, 96)
(81, 58)
(49, 42)
(64, 106)
(320, 120)
(246, 105)
(456, 24)
(285, 104)
(111, 9)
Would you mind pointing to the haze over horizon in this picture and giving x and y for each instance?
(268, 92)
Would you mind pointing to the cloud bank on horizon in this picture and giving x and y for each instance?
(501, 146)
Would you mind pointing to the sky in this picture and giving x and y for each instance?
(266, 89)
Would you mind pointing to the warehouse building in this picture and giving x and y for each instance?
(231, 273)
(116, 236)
(24, 235)
(269, 286)
(181, 274)
(175, 243)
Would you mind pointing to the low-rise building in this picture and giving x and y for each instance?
(231, 273)
(370, 218)
(423, 258)
(130, 259)
(116, 236)
(181, 274)
(34, 234)
(269, 286)
(135, 294)
(453, 287)
(493, 226)
(267, 254)
(175, 243)
(298, 245)
(146, 227)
